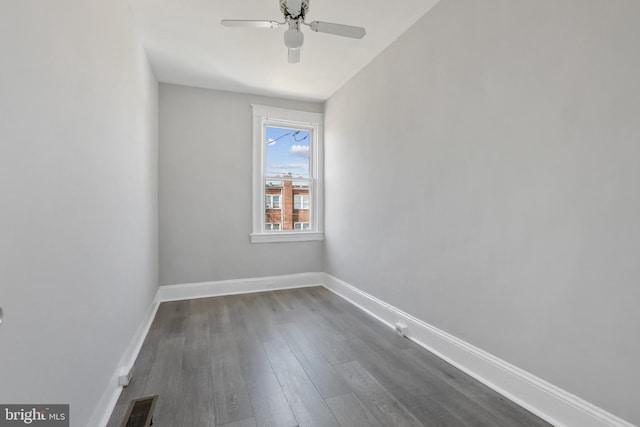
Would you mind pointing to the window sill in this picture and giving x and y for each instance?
(276, 237)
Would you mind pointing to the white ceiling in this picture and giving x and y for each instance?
(187, 45)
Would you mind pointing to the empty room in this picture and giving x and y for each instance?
(320, 213)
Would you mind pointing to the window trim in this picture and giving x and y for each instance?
(263, 115)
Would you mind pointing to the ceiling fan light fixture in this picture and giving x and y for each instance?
(293, 38)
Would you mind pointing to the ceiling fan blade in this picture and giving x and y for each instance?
(338, 29)
(249, 23)
(294, 56)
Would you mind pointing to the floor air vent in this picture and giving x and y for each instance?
(140, 412)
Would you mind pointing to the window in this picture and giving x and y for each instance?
(301, 201)
(287, 175)
(272, 201)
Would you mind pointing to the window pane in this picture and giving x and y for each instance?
(287, 152)
(301, 201)
(300, 194)
(273, 204)
(272, 194)
(272, 201)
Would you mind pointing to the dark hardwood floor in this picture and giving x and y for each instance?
(300, 357)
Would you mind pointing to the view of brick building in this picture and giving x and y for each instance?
(286, 206)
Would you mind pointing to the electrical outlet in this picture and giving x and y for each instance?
(401, 329)
(124, 380)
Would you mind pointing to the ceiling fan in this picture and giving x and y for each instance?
(294, 13)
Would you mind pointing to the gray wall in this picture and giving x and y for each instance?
(205, 190)
(482, 174)
(78, 204)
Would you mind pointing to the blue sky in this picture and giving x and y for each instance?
(287, 150)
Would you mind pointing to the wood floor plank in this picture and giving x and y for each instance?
(331, 344)
(349, 411)
(165, 380)
(194, 400)
(261, 318)
(308, 406)
(328, 296)
(249, 422)
(323, 315)
(218, 311)
(270, 406)
(177, 317)
(286, 299)
(230, 396)
(317, 368)
(385, 408)
(290, 309)
(334, 351)
(196, 335)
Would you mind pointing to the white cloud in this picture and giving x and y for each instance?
(299, 150)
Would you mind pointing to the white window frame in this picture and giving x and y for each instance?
(299, 223)
(264, 116)
(274, 223)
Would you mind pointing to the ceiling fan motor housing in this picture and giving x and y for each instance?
(294, 9)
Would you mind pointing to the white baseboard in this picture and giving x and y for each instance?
(238, 286)
(554, 405)
(109, 398)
